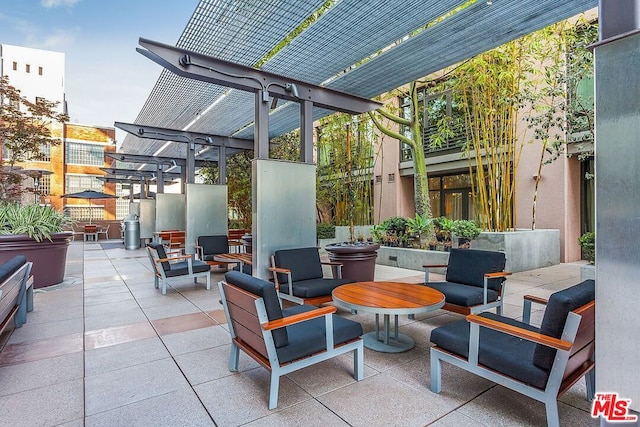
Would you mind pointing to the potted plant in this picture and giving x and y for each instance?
(421, 225)
(38, 233)
(588, 244)
(465, 230)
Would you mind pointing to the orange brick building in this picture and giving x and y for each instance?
(75, 165)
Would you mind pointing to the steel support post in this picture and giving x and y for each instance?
(306, 131)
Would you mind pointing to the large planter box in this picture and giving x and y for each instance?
(48, 257)
(412, 259)
(525, 249)
(587, 271)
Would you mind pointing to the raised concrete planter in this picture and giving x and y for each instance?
(525, 249)
(412, 259)
(587, 271)
(342, 234)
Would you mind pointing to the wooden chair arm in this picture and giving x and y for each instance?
(172, 259)
(497, 274)
(534, 298)
(279, 270)
(297, 318)
(516, 331)
(434, 266)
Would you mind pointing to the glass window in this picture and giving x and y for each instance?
(451, 196)
(85, 213)
(45, 150)
(434, 196)
(44, 185)
(75, 183)
(122, 205)
(456, 181)
(434, 183)
(39, 71)
(443, 123)
(27, 68)
(15, 66)
(84, 154)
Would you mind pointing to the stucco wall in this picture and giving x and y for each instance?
(558, 200)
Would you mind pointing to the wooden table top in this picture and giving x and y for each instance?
(388, 297)
(234, 257)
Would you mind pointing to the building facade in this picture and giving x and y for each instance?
(564, 199)
(74, 164)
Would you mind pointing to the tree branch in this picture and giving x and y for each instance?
(389, 132)
(399, 120)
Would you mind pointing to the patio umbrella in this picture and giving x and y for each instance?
(89, 195)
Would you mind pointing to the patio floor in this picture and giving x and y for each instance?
(105, 348)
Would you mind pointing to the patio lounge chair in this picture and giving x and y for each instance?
(541, 363)
(474, 282)
(105, 231)
(298, 276)
(207, 247)
(178, 267)
(283, 341)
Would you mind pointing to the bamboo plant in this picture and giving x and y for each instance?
(345, 169)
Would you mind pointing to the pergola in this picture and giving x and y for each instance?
(366, 48)
(361, 48)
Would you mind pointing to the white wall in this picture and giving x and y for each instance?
(50, 85)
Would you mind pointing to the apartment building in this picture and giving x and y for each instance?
(74, 164)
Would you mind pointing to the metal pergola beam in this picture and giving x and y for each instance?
(142, 158)
(114, 179)
(136, 172)
(206, 68)
(175, 135)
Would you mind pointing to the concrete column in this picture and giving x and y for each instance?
(617, 117)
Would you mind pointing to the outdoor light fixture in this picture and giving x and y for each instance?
(288, 87)
(185, 61)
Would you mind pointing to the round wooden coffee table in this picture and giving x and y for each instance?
(388, 298)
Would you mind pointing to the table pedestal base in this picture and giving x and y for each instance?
(402, 343)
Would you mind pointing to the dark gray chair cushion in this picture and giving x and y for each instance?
(212, 246)
(468, 267)
(181, 268)
(11, 266)
(304, 264)
(267, 291)
(166, 266)
(307, 338)
(501, 352)
(313, 287)
(555, 316)
(463, 295)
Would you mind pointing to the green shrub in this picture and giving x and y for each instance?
(325, 231)
(395, 224)
(588, 244)
(466, 229)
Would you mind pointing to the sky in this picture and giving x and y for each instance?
(106, 79)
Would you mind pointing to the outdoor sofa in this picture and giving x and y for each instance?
(16, 291)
